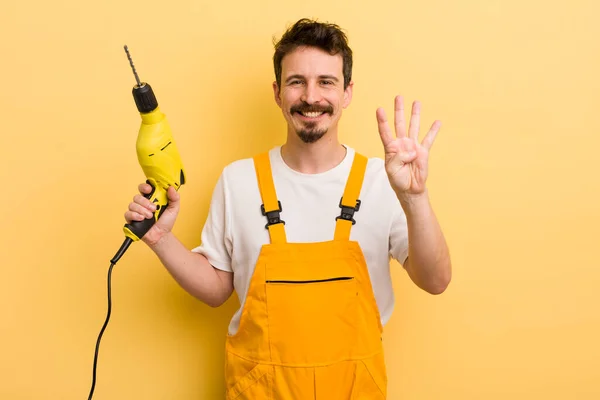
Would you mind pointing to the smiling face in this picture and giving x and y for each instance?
(312, 93)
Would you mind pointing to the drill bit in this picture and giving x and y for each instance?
(137, 79)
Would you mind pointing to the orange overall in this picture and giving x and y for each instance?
(310, 326)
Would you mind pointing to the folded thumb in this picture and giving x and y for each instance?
(173, 197)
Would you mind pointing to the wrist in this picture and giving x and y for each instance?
(162, 241)
(413, 202)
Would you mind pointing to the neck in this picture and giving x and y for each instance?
(312, 158)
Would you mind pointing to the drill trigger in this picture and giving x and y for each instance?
(149, 195)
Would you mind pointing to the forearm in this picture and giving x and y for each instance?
(193, 272)
(428, 263)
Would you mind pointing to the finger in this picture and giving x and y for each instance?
(172, 195)
(140, 209)
(144, 188)
(413, 129)
(131, 216)
(141, 200)
(430, 137)
(384, 128)
(399, 117)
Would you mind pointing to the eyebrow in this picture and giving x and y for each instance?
(298, 76)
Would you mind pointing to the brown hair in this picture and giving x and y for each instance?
(325, 36)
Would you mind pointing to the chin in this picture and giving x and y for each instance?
(311, 136)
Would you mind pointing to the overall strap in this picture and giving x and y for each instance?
(271, 207)
(349, 202)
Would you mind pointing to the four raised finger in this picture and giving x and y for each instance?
(384, 129)
(413, 129)
(399, 117)
(430, 137)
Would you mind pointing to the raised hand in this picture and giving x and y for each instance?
(406, 160)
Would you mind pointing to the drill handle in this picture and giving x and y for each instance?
(137, 229)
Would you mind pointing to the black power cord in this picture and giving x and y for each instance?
(101, 333)
(114, 260)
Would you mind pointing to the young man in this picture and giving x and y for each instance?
(304, 234)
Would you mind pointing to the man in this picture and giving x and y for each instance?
(304, 234)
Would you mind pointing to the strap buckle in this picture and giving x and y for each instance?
(272, 216)
(348, 212)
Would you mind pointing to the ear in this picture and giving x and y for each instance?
(348, 95)
(277, 93)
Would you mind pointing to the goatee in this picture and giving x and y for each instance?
(308, 135)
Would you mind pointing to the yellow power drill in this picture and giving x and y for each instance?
(159, 158)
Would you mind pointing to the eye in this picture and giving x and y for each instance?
(327, 82)
(296, 82)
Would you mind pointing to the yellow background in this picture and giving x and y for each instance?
(514, 182)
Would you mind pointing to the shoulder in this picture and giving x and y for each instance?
(375, 165)
(376, 183)
(239, 170)
(239, 176)
(243, 167)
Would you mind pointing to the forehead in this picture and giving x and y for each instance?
(310, 61)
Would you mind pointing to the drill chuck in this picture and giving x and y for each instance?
(144, 97)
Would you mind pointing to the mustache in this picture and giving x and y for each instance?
(304, 107)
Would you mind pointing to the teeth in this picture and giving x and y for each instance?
(312, 114)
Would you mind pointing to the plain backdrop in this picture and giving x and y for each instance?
(513, 180)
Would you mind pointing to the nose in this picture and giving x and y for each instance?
(311, 93)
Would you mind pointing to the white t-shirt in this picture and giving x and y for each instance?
(235, 227)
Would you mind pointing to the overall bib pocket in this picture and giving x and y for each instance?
(311, 320)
